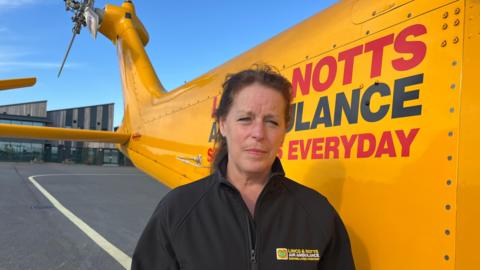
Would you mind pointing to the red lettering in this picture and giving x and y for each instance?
(348, 144)
(214, 106)
(304, 148)
(331, 145)
(363, 152)
(418, 49)
(366, 143)
(385, 145)
(317, 148)
(210, 154)
(321, 76)
(292, 150)
(376, 47)
(331, 63)
(300, 81)
(406, 141)
(349, 57)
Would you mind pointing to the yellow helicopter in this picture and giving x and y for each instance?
(384, 120)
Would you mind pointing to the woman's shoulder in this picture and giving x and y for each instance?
(311, 200)
(185, 195)
(302, 190)
(178, 202)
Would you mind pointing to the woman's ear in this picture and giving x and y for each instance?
(221, 126)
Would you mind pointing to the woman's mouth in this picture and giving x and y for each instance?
(256, 151)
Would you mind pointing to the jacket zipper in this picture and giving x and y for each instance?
(253, 255)
(253, 250)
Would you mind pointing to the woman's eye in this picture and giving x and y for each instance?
(244, 119)
(275, 123)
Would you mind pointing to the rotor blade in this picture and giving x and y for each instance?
(66, 54)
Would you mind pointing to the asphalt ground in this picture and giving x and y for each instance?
(115, 202)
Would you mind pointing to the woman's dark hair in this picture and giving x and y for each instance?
(234, 83)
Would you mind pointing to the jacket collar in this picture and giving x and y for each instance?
(221, 170)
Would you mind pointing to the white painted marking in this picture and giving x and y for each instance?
(122, 258)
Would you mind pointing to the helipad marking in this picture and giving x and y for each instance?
(122, 258)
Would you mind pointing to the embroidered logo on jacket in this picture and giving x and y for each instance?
(297, 254)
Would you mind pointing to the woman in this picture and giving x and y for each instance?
(246, 214)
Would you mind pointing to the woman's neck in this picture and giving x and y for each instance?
(250, 185)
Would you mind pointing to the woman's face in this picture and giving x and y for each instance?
(254, 129)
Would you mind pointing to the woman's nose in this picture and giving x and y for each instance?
(258, 130)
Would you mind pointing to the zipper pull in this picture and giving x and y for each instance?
(253, 256)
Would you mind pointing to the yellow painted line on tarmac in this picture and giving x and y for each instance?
(122, 258)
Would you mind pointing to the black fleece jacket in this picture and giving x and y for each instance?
(206, 225)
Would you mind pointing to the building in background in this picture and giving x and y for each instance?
(96, 117)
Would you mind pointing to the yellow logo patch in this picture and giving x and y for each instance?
(282, 254)
(297, 254)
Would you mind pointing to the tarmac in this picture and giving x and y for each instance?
(57, 216)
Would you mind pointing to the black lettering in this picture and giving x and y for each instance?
(299, 124)
(292, 116)
(351, 111)
(400, 96)
(324, 107)
(366, 111)
(213, 132)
